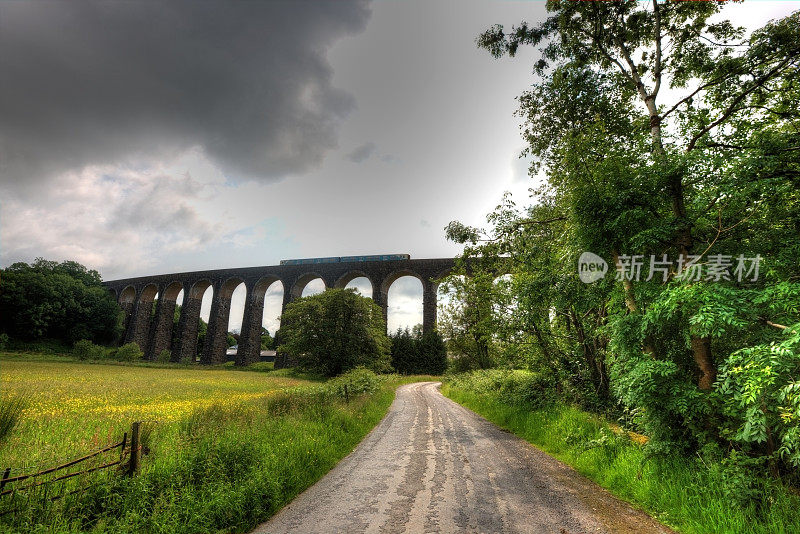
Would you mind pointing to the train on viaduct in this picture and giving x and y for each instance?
(155, 334)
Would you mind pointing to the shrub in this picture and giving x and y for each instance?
(760, 394)
(3, 341)
(164, 356)
(86, 350)
(358, 381)
(130, 352)
(511, 387)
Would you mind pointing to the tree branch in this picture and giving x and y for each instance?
(732, 108)
(657, 66)
(775, 325)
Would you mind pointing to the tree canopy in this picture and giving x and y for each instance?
(688, 183)
(416, 353)
(63, 301)
(335, 331)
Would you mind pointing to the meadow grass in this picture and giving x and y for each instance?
(687, 494)
(89, 405)
(226, 449)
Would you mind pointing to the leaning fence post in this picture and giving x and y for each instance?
(136, 448)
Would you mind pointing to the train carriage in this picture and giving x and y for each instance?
(347, 259)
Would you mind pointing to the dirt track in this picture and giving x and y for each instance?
(433, 466)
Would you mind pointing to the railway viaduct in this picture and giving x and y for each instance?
(136, 296)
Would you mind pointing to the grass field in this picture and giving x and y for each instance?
(87, 405)
(227, 448)
(688, 494)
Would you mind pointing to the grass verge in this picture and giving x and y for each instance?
(690, 495)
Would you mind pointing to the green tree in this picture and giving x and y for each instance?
(63, 301)
(416, 353)
(666, 163)
(470, 321)
(711, 167)
(433, 353)
(267, 343)
(404, 351)
(335, 331)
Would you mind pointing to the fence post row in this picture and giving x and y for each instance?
(131, 469)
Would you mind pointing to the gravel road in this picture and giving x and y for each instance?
(433, 466)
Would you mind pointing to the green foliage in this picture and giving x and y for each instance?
(708, 169)
(737, 481)
(3, 341)
(86, 350)
(261, 367)
(267, 343)
(510, 387)
(469, 322)
(417, 353)
(358, 381)
(760, 391)
(62, 301)
(164, 356)
(129, 352)
(336, 331)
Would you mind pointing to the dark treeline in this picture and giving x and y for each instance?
(61, 301)
(415, 353)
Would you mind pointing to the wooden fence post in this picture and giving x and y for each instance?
(6, 474)
(346, 394)
(122, 448)
(136, 448)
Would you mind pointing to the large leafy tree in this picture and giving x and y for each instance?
(662, 129)
(335, 331)
(604, 65)
(62, 301)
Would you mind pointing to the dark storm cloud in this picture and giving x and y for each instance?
(110, 82)
(362, 152)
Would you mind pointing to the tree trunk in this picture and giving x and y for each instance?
(627, 286)
(701, 350)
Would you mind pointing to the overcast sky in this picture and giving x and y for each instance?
(141, 138)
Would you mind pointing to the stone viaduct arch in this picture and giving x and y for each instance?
(136, 295)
